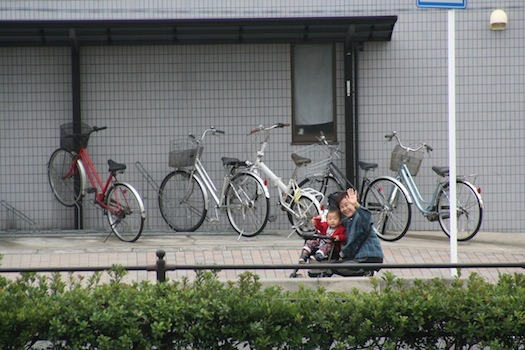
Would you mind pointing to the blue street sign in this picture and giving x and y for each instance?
(447, 4)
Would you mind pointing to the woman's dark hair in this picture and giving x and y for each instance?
(334, 199)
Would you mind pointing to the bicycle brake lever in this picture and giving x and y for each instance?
(390, 136)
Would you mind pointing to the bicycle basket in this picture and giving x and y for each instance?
(321, 158)
(183, 153)
(412, 159)
(71, 141)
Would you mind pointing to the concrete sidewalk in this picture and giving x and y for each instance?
(73, 249)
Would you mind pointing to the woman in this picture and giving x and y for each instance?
(362, 244)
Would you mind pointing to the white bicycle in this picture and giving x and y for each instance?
(301, 204)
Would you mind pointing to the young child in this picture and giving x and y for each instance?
(331, 228)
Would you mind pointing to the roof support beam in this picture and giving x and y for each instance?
(75, 97)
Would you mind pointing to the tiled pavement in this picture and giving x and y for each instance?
(73, 249)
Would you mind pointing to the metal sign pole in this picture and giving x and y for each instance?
(450, 5)
(452, 137)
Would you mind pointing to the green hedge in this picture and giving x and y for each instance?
(209, 314)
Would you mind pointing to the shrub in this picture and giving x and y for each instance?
(209, 314)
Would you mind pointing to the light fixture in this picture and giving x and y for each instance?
(498, 20)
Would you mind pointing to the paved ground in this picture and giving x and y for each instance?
(72, 249)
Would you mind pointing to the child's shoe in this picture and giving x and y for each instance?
(319, 256)
(304, 257)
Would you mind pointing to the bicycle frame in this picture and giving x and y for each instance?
(425, 207)
(283, 188)
(205, 181)
(338, 174)
(87, 168)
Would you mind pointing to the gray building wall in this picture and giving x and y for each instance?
(149, 95)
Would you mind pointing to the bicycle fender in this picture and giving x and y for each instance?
(259, 179)
(473, 189)
(400, 184)
(136, 193)
(313, 198)
(82, 172)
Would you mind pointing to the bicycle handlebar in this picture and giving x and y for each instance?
(267, 128)
(393, 135)
(333, 149)
(317, 236)
(203, 135)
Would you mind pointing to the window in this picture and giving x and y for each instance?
(313, 94)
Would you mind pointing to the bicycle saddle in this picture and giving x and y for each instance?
(367, 166)
(440, 170)
(233, 161)
(300, 161)
(114, 166)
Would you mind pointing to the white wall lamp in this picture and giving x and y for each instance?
(498, 20)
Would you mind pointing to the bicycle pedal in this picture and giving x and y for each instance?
(91, 190)
(272, 218)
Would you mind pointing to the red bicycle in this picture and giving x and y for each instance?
(70, 166)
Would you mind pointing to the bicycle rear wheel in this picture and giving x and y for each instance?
(247, 206)
(468, 207)
(63, 175)
(326, 185)
(182, 202)
(125, 212)
(305, 210)
(391, 211)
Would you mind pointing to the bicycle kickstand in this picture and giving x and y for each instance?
(240, 235)
(109, 234)
(294, 230)
(111, 231)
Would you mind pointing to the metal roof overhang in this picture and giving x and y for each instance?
(196, 31)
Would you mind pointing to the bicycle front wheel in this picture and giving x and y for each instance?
(125, 212)
(304, 210)
(468, 207)
(63, 175)
(327, 185)
(182, 202)
(390, 208)
(247, 206)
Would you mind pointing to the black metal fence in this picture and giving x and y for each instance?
(161, 267)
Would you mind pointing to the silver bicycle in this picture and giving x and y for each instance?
(185, 193)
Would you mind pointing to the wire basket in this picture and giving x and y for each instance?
(71, 141)
(321, 158)
(183, 153)
(412, 159)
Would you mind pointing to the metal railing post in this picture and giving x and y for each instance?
(161, 266)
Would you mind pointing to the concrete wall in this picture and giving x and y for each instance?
(149, 95)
